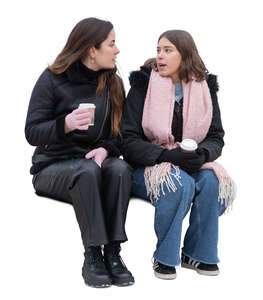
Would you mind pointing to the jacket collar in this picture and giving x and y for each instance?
(79, 73)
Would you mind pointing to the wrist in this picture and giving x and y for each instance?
(67, 128)
(203, 153)
(162, 157)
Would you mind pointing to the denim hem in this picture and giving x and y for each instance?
(201, 260)
(164, 263)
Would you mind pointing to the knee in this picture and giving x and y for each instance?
(208, 178)
(208, 185)
(87, 168)
(207, 182)
(116, 167)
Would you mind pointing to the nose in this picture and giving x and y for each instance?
(117, 51)
(159, 55)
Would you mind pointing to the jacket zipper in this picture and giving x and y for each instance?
(104, 119)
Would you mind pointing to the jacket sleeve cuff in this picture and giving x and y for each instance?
(112, 149)
(162, 157)
(204, 151)
(60, 128)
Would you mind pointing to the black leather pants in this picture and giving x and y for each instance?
(100, 196)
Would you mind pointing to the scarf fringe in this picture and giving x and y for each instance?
(159, 175)
(227, 193)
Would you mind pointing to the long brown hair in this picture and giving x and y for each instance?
(191, 64)
(87, 33)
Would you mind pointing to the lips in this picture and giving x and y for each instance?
(162, 66)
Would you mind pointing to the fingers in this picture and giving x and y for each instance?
(86, 121)
(83, 127)
(80, 119)
(83, 116)
(79, 111)
(96, 156)
(90, 154)
(93, 155)
(98, 161)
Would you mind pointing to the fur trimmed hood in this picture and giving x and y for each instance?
(140, 79)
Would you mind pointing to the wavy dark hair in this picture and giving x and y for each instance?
(191, 64)
(87, 33)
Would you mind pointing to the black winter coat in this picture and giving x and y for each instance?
(55, 96)
(140, 152)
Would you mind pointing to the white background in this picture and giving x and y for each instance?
(41, 249)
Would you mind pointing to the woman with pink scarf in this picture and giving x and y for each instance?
(172, 98)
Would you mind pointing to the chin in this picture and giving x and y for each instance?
(110, 66)
(163, 74)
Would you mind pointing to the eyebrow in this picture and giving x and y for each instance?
(165, 47)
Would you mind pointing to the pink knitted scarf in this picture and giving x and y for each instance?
(157, 126)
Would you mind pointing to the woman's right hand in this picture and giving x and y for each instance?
(186, 161)
(77, 119)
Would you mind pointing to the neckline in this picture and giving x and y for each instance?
(80, 73)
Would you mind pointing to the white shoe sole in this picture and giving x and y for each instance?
(165, 276)
(201, 272)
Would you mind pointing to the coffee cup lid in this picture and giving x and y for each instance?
(87, 105)
(188, 144)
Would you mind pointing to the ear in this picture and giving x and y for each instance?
(92, 52)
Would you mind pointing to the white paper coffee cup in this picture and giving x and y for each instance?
(188, 145)
(91, 108)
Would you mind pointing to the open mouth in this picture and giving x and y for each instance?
(162, 65)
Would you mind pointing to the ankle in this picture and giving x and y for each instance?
(93, 252)
(112, 248)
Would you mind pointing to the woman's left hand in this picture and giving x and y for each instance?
(196, 163)
(98, 155)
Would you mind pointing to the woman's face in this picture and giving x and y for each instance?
(105, 57)
(168, 59)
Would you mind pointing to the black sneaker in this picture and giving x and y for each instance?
(162, 271)
(94, 271)
(199, 267)
(121, 276)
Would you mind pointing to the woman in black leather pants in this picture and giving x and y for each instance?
(76, 162)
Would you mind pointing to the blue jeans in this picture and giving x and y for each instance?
(198, 192)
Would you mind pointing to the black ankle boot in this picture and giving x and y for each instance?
(121, 276)
(94, 271)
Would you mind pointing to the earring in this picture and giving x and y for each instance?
(92, 61)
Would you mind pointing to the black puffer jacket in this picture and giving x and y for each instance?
(137, 150)
(55, 96)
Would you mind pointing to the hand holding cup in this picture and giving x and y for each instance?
(77, 119)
